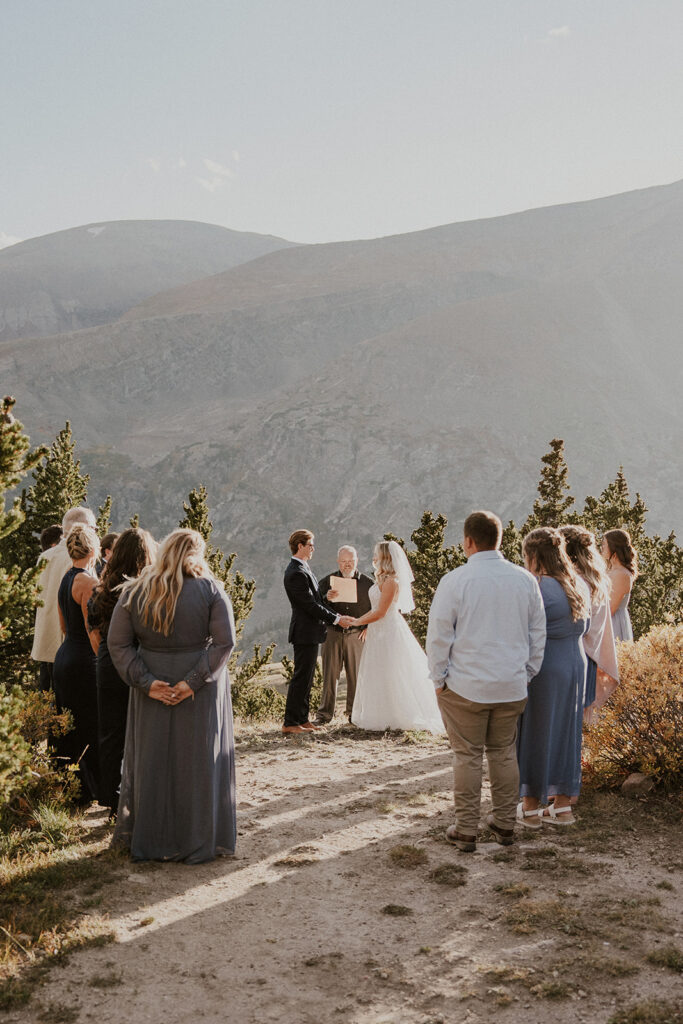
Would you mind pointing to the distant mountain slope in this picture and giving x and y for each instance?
(90, 275)
(349, 386)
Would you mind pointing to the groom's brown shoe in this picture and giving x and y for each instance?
(287, 730)
(310, 725)
(504, 836)
(464, 843)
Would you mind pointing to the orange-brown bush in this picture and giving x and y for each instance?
(640, 729)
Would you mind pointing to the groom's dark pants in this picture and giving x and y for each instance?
(299, 690)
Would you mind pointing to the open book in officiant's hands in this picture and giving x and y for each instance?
(345, 590)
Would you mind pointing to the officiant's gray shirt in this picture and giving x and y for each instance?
(486, 634)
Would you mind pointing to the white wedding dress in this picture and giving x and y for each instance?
(394, 690)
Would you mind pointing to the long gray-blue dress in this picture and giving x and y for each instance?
(621, 620)
(177, 799)
(550, 729)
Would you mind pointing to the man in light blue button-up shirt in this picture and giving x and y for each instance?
(485, 642)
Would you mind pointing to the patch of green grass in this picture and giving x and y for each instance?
(505, 973)
(449, 874)
(527, 916)
(554, 989)
(625, 919)
(515, 891)
(652, 1011)
(612, 966)
(419, 800)
(396, 910)
(109, 980)
(503, 857)
(295, 860)
(416, 737)
(542, 853)
(406, 856)
(42, 920)
(59, 1013)
(667, 956)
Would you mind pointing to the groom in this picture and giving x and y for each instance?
(306, 629)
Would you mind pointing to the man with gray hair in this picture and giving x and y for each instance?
(343, 647)
(47, 635)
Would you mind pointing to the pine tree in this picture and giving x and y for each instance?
(511, 544)
(429, 561)
(58, 486)
(18, 585)
(104, 517)
(554, 501)
(240, 589)
(613, 510)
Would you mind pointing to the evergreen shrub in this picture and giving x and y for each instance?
(640, 729)
(29, 778)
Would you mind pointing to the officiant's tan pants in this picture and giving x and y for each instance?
(472, 729)
(342, 649)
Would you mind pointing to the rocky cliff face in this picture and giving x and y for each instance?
(347, 387)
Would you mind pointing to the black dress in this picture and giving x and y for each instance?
(112, 710)
(74, 684)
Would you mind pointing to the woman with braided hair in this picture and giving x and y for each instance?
(550, 730)
(603, 673)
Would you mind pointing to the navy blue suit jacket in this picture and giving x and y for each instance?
(310, 617)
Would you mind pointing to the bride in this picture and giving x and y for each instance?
(394, 690)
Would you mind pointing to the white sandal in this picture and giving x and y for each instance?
(522, 815)
(553, 815)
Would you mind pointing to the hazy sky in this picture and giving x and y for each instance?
(319, 120)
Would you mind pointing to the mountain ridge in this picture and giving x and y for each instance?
(349, 386)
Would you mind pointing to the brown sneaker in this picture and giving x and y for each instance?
(504, 836)
(464, 843)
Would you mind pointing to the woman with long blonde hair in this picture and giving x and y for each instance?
(622, 569)
(394, 690)
(550, 729)
(170, 638)
(598, 642)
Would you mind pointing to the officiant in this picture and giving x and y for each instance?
(343, 647)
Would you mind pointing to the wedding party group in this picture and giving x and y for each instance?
(134, 637)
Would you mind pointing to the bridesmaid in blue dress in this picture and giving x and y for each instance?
(598, 642)
(550, 731)
(74, 669)
(622, 569)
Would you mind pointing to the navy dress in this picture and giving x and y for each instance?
(112, 711)
(75, 691)
(550, 729)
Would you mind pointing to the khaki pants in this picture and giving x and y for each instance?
(472, 729)
(340, 650)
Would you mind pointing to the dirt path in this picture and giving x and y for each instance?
(296, 928)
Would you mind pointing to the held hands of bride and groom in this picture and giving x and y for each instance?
(168, 694)
(345, 621)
